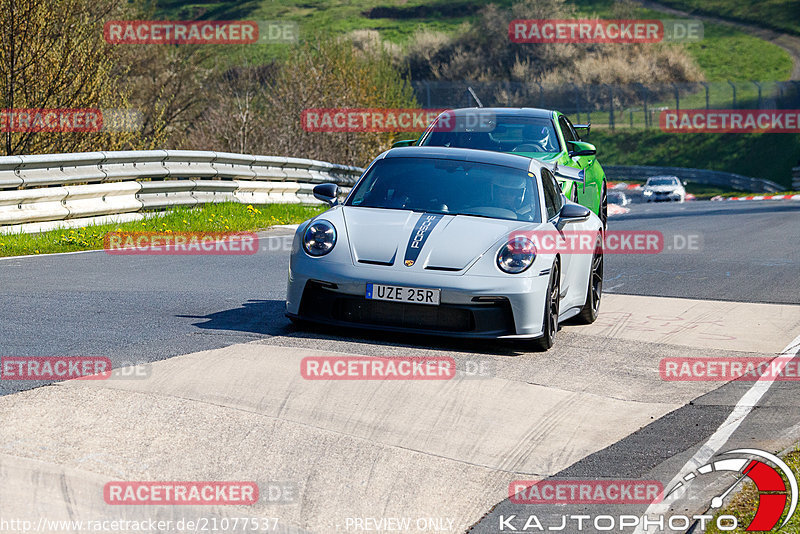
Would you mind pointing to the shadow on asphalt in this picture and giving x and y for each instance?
(266, 317)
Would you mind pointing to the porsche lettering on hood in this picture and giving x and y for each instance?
(448, 242)
(422, 230)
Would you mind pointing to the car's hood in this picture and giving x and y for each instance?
(443, 242)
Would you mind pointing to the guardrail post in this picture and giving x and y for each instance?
(734, 93)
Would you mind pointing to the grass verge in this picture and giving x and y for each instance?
(226, 217)
(743, 506)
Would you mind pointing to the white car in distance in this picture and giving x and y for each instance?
(664, 188)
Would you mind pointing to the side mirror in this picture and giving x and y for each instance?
(327, 193)
(404, 142)
(579, 148)
(562, 172)
(573, 213)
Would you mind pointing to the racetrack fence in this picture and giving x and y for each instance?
(612, 106)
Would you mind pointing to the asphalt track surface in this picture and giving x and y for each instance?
(745, 251)
(147, 308)
(589, 408)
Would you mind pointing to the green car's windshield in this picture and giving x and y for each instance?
(450, 187)
(510, 133)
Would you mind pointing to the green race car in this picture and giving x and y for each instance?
(535, 133)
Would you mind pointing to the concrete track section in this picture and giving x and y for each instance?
(436, 453)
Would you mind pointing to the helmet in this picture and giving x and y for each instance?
(509, 191)
(533, 133)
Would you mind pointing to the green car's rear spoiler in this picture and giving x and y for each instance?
(586, 126)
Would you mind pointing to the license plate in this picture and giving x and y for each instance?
(414, 295)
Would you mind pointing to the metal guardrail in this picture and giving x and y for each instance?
(66, 187)
(700, 176)
(60, 187)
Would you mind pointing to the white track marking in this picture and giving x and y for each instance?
(720, 437)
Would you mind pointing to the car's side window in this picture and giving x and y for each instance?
(552, 194)
(572, 129)
(566, 129)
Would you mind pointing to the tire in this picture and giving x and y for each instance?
(591, 307)
(551, 309)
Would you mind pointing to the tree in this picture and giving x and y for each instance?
(53, 56)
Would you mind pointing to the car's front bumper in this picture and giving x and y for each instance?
(663, 197)
(471, 306)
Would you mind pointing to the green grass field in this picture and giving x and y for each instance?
(724, 54)
(781, 15)
(226, 217)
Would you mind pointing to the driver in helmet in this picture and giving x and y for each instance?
(538, 135)
(511, 193)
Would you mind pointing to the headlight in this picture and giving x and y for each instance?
(647, 193)
(319, 238)
(516, 255)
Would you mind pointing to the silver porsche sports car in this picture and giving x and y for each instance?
(444, 241)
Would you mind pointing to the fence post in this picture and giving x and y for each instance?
(704, 84)
(759, 91)
(734, 93)
(611, 102)
(646, 116)
(677, 97)
(428, 93)
(577, 102)
(588, 105)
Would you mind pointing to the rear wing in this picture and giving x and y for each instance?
(586, 126)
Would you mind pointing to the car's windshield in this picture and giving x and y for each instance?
(508, 133)
(662, 181)
(450, 187)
